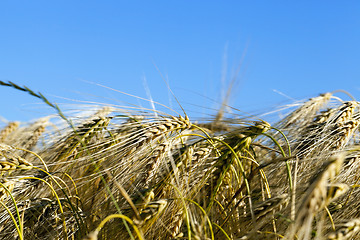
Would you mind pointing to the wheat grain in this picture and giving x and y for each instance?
(346, 230)
(264, 208)
(176, 224)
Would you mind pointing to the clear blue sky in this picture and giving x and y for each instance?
(299, 48)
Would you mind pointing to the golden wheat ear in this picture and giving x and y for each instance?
(317, 196)
(303, 115)
(12, 126)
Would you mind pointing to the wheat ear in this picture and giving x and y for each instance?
(316, 198)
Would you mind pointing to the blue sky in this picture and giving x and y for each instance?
(300, 49)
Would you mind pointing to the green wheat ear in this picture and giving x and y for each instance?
(37, 95)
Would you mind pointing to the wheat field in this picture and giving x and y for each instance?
(134, 173)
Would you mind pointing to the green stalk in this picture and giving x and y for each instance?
(124, 218)
(288, 168)
(207, 217)
(14, 221)
(16, 209)
(243, 173)
(58, 200)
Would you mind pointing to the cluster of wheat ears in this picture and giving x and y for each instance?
(127, 173)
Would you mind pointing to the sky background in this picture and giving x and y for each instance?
(278, 51)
